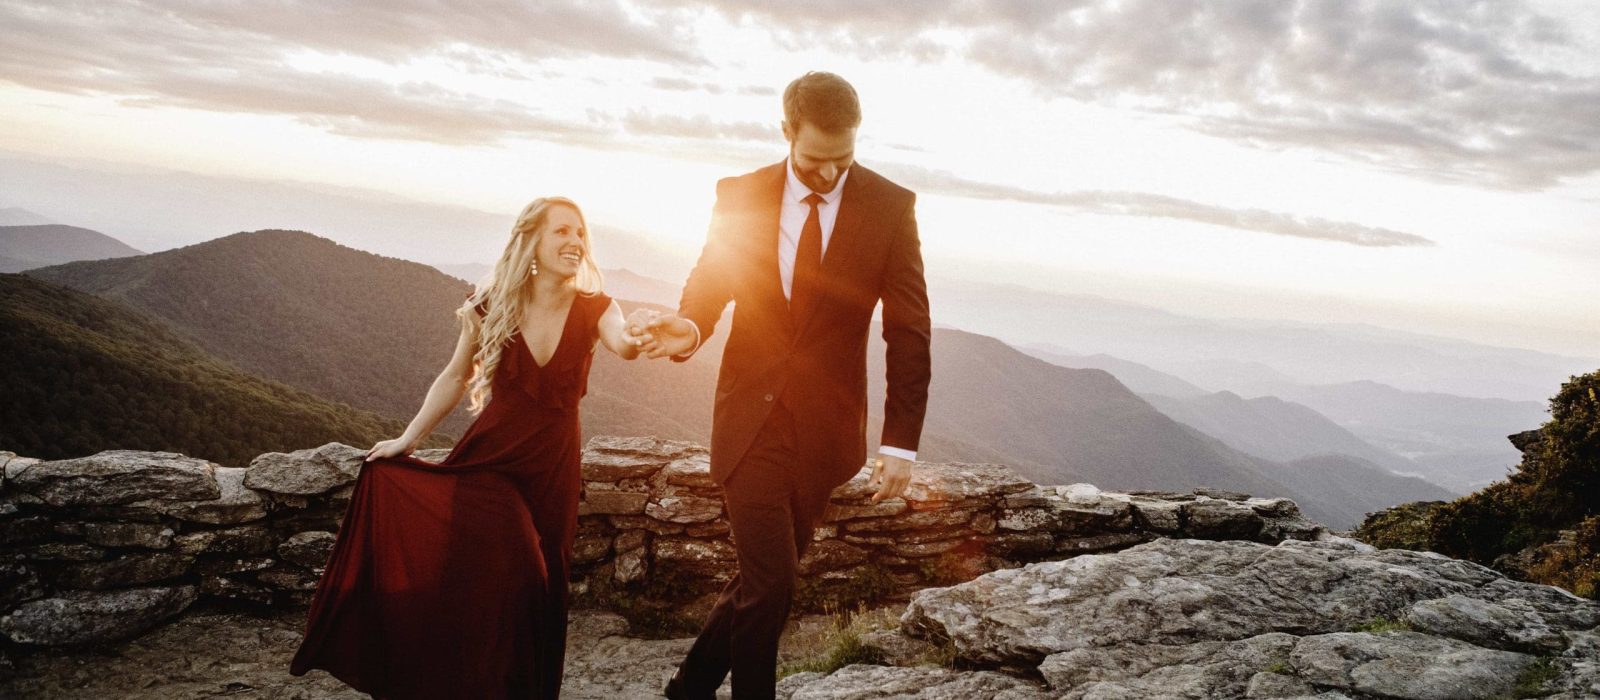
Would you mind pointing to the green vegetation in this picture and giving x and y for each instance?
(1280, 667)
(1382, 624)
(83, 374)
(840, 644)
(1534, 676)
(350, 326)
(1556, 488)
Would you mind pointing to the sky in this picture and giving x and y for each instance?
(1429, 166)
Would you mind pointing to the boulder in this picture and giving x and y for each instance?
(310, 548)
(951, 483)
(305, 472)
(117, 476)
(610, 459)
(83, 617)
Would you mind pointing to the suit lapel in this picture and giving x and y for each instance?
(768, 206)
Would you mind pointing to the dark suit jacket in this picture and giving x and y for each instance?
(818, 366)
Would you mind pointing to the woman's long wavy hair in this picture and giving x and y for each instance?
(509, 289)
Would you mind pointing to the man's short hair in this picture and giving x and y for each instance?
(823, 100)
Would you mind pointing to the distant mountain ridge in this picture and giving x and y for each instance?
(1218, 354)
(338, 322)
(30, 246)
(17, 216)
(1271, 428)
(84, 374)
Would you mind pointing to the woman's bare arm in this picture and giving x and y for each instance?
(443, 395)
(615, 336)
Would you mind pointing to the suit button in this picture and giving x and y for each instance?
(768, 397)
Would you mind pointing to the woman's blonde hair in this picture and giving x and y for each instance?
(509, 288)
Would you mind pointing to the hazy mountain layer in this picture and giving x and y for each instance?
(27, 247)
(1271, 428)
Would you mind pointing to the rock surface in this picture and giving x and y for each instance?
(1199, 619)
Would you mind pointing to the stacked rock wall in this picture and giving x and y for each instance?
(104, 547)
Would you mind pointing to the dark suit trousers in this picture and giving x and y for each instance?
(774, 506)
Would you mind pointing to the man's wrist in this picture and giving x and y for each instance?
(907, 455)
(693, 348)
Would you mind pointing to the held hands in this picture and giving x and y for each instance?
(660, 334)
(891, 475)
(397, 447)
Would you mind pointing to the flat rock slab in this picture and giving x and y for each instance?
(1407, 665)
(861, 682)
(84, 617)
(1182, 591)
(116, 476)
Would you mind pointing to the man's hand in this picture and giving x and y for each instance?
(666, 335)
(891, 475)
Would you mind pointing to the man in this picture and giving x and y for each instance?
(806, 248)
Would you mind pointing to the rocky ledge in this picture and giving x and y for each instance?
(108, 546)
(1186, 618)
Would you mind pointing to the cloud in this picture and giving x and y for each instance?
(1451, 90)
(699, 127)
(1159, 206)
(684, 85)
(234, 57)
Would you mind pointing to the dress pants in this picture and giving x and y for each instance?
(774, 506)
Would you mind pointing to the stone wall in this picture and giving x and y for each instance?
(106, 546)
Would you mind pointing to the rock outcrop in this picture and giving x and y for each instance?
(1185, 618)
(1031, 591)
(139, 536)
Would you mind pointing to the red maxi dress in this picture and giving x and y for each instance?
(449, 580)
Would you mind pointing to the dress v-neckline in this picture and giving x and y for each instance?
(527, 349)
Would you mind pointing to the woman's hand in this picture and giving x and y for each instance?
(397, 447)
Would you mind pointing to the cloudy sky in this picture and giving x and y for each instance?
(1422, 165)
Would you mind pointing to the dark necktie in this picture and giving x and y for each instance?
(807, 262)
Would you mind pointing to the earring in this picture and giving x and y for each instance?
(533, 269)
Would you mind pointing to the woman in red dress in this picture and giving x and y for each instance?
(449, 580)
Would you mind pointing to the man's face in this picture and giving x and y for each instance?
(820, 157)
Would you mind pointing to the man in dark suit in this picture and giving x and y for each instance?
(806, 248)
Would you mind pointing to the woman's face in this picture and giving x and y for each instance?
(562, 245)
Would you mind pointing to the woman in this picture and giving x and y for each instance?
(450, 579)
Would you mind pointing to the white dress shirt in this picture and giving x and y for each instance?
(791, 219)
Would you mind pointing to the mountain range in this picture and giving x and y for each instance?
(1455, 441)
(84, 374)
(1252, 357)
(372, 331)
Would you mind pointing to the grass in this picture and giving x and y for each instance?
(838, 644)
(1382, 624)
(1534, 676)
